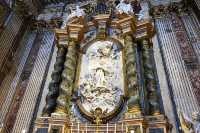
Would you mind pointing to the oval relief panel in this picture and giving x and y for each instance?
(101, 79)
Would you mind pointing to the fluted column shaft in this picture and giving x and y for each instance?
(68, 76)
(131, 74)
(150, 81)
(56, 79)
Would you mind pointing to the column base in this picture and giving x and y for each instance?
(134, 112)
(60, 110)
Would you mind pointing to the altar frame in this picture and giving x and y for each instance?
(120, 106)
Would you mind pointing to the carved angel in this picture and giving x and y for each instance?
(186, 124)
(124, 7)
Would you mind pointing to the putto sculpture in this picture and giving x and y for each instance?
(124, 7)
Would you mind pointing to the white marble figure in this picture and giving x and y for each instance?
(122, 7)
(141, 15)
(196, 121)
(79, 12)
(197, 129)
(76, 13)
(100, 78)
(187, 124)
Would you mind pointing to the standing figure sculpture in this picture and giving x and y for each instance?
(187, 125)
(100, 77)
(124, 7)
(73, 13)
(196, 120)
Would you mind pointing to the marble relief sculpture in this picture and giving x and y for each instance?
(78, 12)
(101, 76)
(189, 125)
(124, 7)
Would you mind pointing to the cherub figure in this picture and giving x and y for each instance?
(124, 7)
(186, 124)
(98, 114)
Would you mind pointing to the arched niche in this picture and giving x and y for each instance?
(100, 78)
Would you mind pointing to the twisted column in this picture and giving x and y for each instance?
(67, 84)
(150, 81)
(131, 74)
(56, 79)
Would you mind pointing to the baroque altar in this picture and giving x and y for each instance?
(104, 80)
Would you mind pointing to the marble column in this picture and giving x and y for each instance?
(131, 75)
(68, 77)
(56, 79)
(149, 78)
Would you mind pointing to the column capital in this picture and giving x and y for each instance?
(61, 37)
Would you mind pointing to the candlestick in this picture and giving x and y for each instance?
(71, 127)
(122, 127)
(115, 128)
(78, 128)
(86, 128)
(107, 128)
(126, 129)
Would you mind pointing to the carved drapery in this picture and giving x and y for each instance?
(68, 76)
(56, 79)
(131, 73)
(150, 81)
